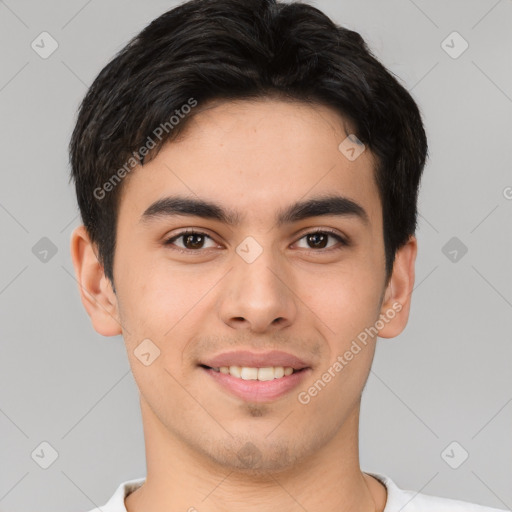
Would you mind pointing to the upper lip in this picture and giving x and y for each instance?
(255, 359)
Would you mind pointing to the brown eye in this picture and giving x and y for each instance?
(191, 240)
(318, 240)
(194, 241)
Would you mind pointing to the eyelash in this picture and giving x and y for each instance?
(343, 241)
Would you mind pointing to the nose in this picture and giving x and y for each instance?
(258, 296)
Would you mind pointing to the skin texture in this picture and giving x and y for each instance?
(254, 157)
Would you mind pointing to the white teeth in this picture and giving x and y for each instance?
(235, 371)
(266, 373)
(249, 373)
(279, 372)
(263, 374)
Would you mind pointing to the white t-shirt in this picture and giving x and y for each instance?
(399, 500)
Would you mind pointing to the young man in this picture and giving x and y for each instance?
(247, 174)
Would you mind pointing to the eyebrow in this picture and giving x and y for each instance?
(318, 206)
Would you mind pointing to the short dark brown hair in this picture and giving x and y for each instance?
(204, 50)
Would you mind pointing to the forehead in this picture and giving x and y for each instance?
(256, 157)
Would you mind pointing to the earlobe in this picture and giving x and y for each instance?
(397, 299)
(95, 288)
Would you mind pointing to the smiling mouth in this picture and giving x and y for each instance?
(255, 373)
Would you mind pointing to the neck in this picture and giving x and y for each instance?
(180, 478)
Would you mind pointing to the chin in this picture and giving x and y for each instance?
(249, 458)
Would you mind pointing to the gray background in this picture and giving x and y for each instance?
(446, 378)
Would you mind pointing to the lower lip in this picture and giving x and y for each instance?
(257, 390)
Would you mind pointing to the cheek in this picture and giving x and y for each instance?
(348, 305)
(346, 301)
(155, 316)
(166, 305)
(154, 294)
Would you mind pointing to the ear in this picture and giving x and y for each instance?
(397, 297)
(95, 288)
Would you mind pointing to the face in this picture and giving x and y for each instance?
(257, 281)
